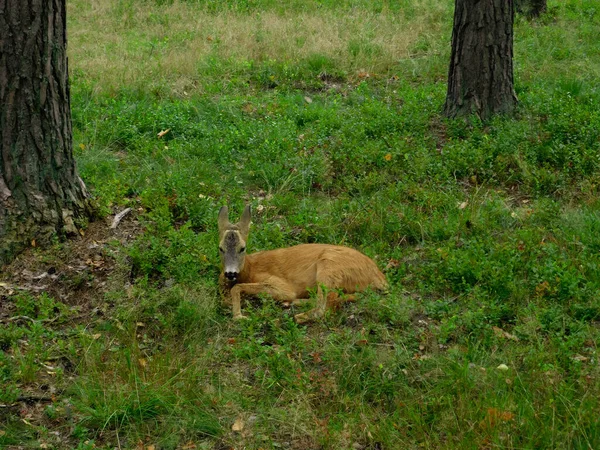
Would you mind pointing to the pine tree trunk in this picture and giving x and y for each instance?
(41, 195)
(480, 78)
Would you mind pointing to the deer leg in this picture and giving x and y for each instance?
(326, 280)
(276, 289)
(318, 311)
(296, 302)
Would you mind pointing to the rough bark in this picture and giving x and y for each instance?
(41, 195)
(531, 8)
(480, 78)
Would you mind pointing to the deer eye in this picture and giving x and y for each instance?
(221, 250)
(242, 250)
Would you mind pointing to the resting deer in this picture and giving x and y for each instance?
(287, 274)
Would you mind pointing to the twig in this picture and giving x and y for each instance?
(119, 217)
(28, 399)
(16, 318)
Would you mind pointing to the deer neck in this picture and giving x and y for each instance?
(245, 275)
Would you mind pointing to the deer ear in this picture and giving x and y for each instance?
(244, 223)
(223, 220)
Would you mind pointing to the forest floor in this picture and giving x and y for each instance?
(326, 118)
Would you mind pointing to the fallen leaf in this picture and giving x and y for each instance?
(33, 242)
(82, 146)
(362, 342)
(580, 358)
(495, 416)
(150, 447)
(190, 445)
(162, 133)
(503, 334)
(463, 205)
(308, 99)
(96, 336)
(238, 425)
(143, 363)
(502, 367)
(392, 264)
(388, 157)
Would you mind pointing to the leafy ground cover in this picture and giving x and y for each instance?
(489, 234)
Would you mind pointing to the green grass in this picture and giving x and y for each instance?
(489, 234)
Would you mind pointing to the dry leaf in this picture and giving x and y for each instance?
(388, 157)
(308, 99)
(316, 356)
(150, 447)
(502, 367)
(162, 133)
(580, 358)
(82, 146)
(392, 264)
(495, 416)
(238, 425)
(143, 363)
(96, 336)
(33, 242)
(503, 334)
(362, 342)
(463, 205)
(190, 445)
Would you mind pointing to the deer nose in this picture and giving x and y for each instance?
(231, 275)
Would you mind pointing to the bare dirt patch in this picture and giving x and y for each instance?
(76, 272)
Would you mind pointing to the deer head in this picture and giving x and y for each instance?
(232, 242)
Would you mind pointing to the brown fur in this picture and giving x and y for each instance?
(287, 274)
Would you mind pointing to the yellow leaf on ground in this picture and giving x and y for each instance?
(238, 425)
(162, 133)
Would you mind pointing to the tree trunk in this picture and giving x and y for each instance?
(41, 195)
(531, 8)
(480, 79)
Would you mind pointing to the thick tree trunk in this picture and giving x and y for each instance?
(41, 195)
(531, 8)
(480, 79)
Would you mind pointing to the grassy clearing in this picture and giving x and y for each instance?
(488, 233)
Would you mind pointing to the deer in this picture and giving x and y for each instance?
(289, 274)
